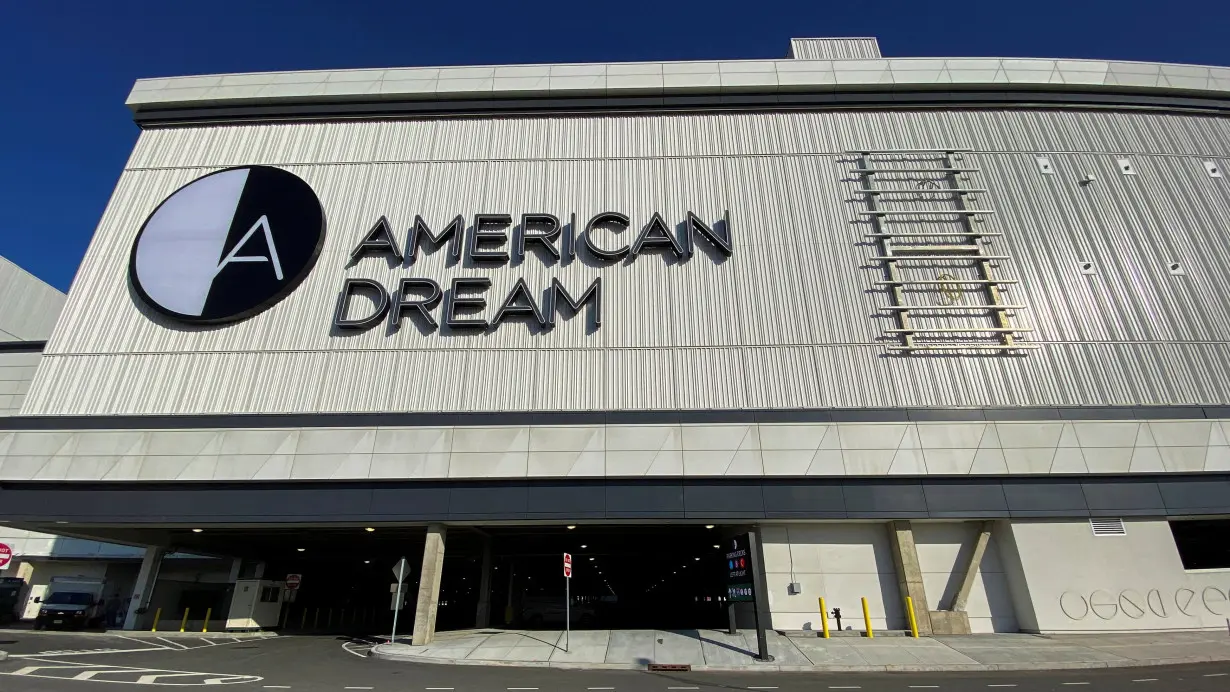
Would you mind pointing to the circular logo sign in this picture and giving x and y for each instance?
(228, 245)
(6, 555)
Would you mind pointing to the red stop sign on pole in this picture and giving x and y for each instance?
(6, 556)
(568, 565)
(293, 581)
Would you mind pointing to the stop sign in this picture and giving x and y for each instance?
(567, 565)
(6, 556)
(293, 581)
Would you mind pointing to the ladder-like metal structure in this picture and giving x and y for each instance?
(947, 313)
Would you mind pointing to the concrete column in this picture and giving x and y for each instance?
(483, 617)
(909, 572)
(971, 568)
(143, 589)
(429, 585)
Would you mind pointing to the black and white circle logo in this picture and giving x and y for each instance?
(228, 245)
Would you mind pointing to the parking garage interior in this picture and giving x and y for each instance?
(630, 576)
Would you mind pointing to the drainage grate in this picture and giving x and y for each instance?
(672, 667)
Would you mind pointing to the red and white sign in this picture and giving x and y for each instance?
(568, 565)
(6, 556)
(293, 581)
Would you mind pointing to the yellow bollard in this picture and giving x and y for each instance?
(157, 616)
(867, 620)
(824, 618)
(909, 608)
(303, 620)
(205, 626)
(183, 625)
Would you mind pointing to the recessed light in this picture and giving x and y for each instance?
(715, 545)
(369, 529)
(583, 546)
(696, 558)
(708, 526)
(61, 522)
(367, 562)
(571, 527)
(591, 559)
(301, 549)
(197, 530)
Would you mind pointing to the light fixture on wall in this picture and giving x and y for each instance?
(197, 530)
(369, 529)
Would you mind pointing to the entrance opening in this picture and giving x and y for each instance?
(623, 577)
(637, 576)
(1202, 543)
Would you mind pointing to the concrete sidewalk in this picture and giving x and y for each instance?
(716, 650)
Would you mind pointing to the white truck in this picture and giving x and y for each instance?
(71, 603)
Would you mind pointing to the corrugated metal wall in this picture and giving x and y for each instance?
(791, 320)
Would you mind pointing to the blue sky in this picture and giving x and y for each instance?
(68, 66)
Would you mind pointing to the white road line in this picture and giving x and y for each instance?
(762, 688)
(174, 644)
(1076, 683)
(1146, 680)
(1215, 675)
(844, 687)
(534, 688)
(923, 687)
(449, 688)
(673, 688)
(277, 687)
(588, 688)
(1011, 685)
(358, 688)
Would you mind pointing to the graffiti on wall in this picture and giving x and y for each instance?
(1130, 603)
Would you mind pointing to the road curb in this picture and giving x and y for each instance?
(4, 655)
(376, 652)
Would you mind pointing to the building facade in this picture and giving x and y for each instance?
(951, 329)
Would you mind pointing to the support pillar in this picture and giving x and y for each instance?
(981, 541)
(143, 589)
(483, 617)
(429, 585)
(909, 572)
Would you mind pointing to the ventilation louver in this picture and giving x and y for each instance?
(1107, 527)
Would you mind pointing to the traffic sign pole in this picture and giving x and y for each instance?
(399, 570)
(567, 600)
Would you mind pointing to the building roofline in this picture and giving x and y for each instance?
(559, 88)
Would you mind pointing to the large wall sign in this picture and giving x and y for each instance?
(495, 239)
(228, 245)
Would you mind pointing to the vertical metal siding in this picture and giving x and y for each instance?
(792, 320)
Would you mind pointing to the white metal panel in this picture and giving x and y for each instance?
(791, 320)
(29, 307)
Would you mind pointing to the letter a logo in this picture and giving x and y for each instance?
(234, 256)
(227, 246)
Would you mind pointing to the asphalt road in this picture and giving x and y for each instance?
(40, 662)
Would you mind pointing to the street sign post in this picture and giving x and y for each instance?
(567, 600)
(293, 581)
(744, 583)
(401, 570)
(6, 556)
